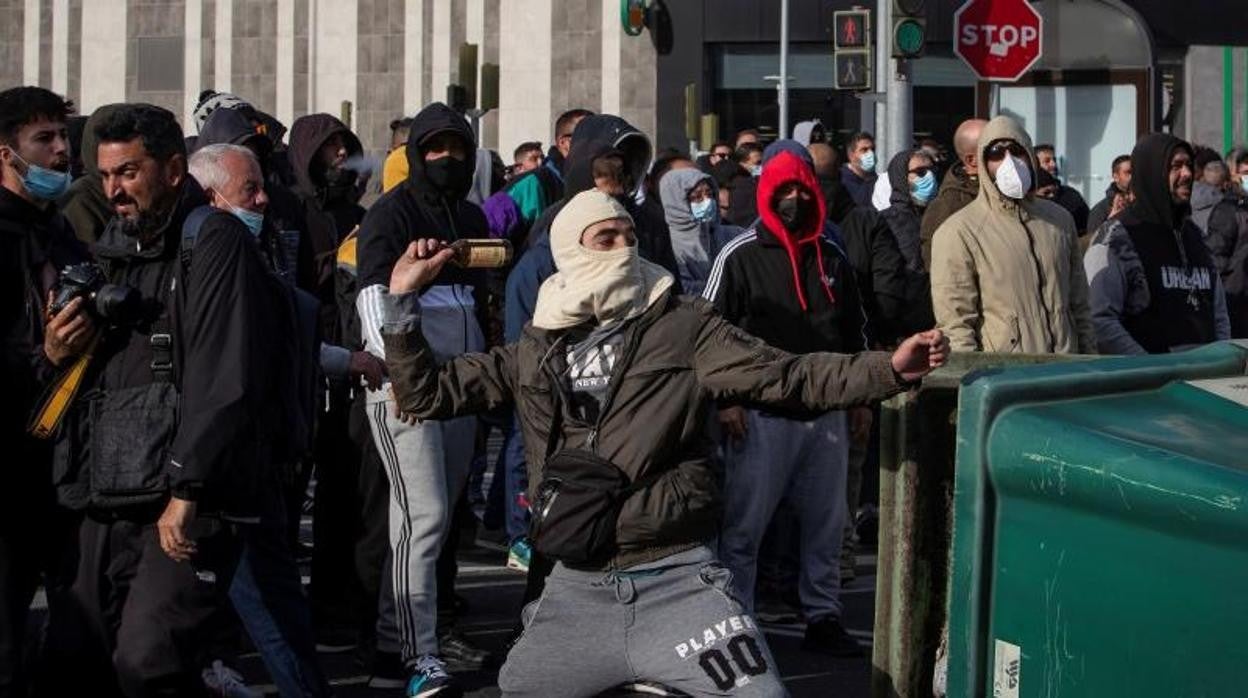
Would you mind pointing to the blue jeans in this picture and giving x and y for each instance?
(515, 479)
(267, 593)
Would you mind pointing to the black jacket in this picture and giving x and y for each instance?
(417, 209)
(1228, 243)
(1071, 200)
(225, 368)
(797, 292)
(34, 244)
(903, 216)
(880, 273)
(330, 213)
(755, 293)
(1100, 212)
(286, 228)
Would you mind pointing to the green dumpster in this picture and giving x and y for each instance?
(1100, 542)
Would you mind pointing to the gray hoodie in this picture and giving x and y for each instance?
(695, 244)
(1204, 198)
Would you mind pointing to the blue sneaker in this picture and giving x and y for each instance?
(519, 555)
(430, 678)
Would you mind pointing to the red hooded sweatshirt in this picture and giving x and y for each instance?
(779, 171)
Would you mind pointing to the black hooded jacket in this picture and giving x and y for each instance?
(329, 215)
(226, 368)
(417, 209)
(1172, 295)
(903, 216)
(596, 136)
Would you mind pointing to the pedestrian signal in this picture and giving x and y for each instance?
(853, 29)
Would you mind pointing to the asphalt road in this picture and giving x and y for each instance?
(494, 592)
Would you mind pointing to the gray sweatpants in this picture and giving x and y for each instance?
(674, 621)
(427, 464)
(803, 464)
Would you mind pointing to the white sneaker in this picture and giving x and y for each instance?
(223, 681)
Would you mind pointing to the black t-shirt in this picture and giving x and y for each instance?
(591, 358)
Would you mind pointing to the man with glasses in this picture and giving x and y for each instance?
(1006, 271)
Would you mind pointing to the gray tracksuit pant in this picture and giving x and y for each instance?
(427, 465)
(803, 464)
(674, 621)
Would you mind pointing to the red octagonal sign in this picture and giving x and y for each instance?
(999, 39)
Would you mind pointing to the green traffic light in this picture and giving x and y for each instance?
(908, 37)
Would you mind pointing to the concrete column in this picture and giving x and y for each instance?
(192, 61)
(335, 57)
(285, 61)
(103, 54)
(60, 46)
(413, 55)
(611, 33)
(30, 43)
(443, 61)
(474, 33)
(524, 59)
(223, 53)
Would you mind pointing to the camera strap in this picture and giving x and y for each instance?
(61, 396)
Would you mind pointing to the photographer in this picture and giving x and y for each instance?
(35, 243)
(173, 434)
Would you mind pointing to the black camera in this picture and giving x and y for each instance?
(112, 303)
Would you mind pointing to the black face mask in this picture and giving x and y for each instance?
(339, 183)
(796, 213)
(450, 176)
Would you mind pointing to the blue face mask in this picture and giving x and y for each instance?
(867, 161)
(704, 211)
(254, 221)
(924, 188)
(42, 183)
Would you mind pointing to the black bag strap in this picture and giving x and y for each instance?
(163, 338)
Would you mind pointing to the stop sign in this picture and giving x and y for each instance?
(999, 39)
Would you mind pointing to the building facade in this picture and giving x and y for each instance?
(385, 58)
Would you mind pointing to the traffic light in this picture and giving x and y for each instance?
(909, 28)
(851, 57)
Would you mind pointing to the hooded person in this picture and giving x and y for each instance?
(1227, 238)
(1006, 273)
(427, 462)
(598, 140)
(786, 283)
(616, 362)
(893, 283)
(912, 178)
(320, 146)
(1205, 197)
(346, 461)
(807, 132)
(691, 206)
(84, 205)
(1154, 285)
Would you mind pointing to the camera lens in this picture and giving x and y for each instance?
(120, 305)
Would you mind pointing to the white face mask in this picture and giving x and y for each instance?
(1013, 178)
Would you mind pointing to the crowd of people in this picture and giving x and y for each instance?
(681, 356)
